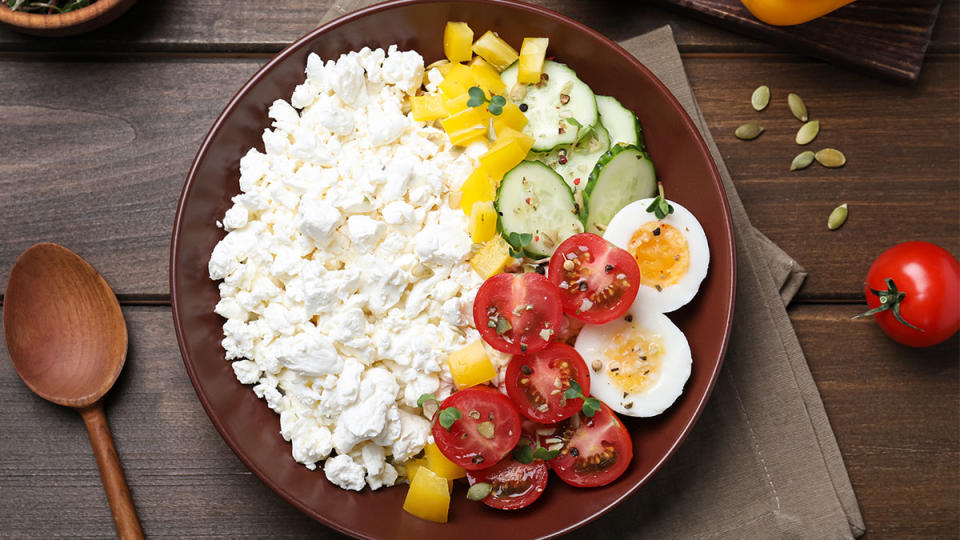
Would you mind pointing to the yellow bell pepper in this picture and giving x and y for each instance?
(483, 222)
(428, 496)
(457, 104)
(470, 366)
(488, 79)
(789, 12)
(497, 52)
(496, 162)
(414, 465)
(478, 187)
(507, 134)
(457, 81)
(466, 136)
(492, 258)
(511, 117)
(532, 53)
(439, 464)
(466, 126)
(457, 41)
(427, 108)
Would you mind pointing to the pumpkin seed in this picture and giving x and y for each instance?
(479, 491)
(760, 98)
(748, 132)
(797, 107)
(808, 132)
(838, 217)
(802, 161)
(486, 429)
(830, 157)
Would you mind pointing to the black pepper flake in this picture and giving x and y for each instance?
(582, 285)
(628, 318)
(574, 452)
(477, 459)
(541, 269)
(608, 268)
(490, 416)
(525, 369)
(656, 232)
(523, 107)
(523, 347)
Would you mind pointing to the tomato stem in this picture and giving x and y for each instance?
(890, 299)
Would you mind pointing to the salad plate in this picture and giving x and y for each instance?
(251, 429)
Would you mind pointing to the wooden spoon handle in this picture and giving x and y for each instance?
(114, 483)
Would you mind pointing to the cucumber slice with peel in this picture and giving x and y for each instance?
(623, 175)
(621, 123)
(560, 95)
(578, 159)
(533, 199)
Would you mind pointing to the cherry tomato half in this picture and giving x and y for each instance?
(488, 429)
(517, 313)
(515, 484)
(595, 450)
(536, 382)
(927, 295)
(597, 280)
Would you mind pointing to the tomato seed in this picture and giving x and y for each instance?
(525, 369)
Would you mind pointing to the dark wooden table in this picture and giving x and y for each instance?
(97, 133)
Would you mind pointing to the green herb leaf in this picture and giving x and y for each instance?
(496, 105)
(660, 206)
(584, 132)
(515, 254)
(448, 416)
(503, 325)
(479, 491)
(575, 391)
(573, 122)
(591, 406)
(544, 454)
(425, 398)
(523, 454)
(477, 97)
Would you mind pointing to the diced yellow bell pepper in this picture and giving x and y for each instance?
(457, 104)
(483, 222)
(497, 162)
(439, 464)
(467, 118)
(457, 81)
(445, 68)
(511, 117)
(532, 53)
(414, 465)
(469, 366)
(487, 78)
(492, 258)
(428, 496)
(467, 136)
(478, 187)
(457, 41)
(507, 134)
(497, 52)
(427, 108)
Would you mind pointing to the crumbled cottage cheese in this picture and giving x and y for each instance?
(345, 279)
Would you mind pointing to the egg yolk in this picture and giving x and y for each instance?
(662, 253)
(633, 360)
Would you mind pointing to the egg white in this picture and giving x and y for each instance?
(676, 363)
(630, 218)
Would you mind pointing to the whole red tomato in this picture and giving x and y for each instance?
(913, 290)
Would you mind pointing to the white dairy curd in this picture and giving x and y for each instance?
(345, 280)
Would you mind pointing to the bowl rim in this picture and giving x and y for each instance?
(53, 21)
(726, 225)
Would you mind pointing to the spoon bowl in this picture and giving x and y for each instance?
(68, 342)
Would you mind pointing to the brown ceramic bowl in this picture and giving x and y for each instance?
(252, 430)
(82, 20)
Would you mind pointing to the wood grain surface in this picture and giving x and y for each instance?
(97, 133)
(898, 433)
(888, 38)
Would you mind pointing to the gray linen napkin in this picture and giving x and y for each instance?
(762, 461)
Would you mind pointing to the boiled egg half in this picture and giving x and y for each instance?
(638, 363)
(672, 253)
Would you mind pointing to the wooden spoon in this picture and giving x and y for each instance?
(68, 342)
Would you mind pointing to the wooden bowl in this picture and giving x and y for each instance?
(82, 20)
(252, 429)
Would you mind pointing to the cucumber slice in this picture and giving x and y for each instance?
(623, 175)
(550, 215)
(578, 158)
(546, 112)
(621, 123)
